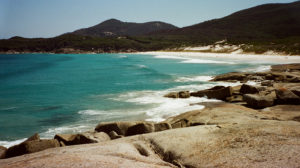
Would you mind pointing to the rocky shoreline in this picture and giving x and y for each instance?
(253, 126)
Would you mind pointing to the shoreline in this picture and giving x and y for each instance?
(283, 59)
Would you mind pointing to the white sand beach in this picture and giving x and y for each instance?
(278, 59)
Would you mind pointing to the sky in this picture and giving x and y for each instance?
(49, 18)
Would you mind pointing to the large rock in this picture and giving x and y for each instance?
(286, 67)
(181, 94)
(232, 76)
(112, 154)
(276, 76)
(17, 150)
(119, 127)
(70, 139)
(84, 138)
(141, 128)
(181, 123)
(114, 135)
(2, 152)
(249, 89)
(184, 94)
(36, 136)
(267, 83)
(258, 101)
(97, 136)
(172, 95)
(285, 96)
(217, 92)
(31, 147)
(289, 77)
(162, 126)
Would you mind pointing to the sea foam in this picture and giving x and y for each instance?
(205, 61)
(142, 66)
(8, 144)
(168, 57)
(193, 60)
(70, 129)
(262, 68)
(160, 108)
(194, 79)
(123, 56)
(92, 112)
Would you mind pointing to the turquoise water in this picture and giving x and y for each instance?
(62, 93)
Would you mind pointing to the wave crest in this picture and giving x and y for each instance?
(193, 60)
(8, 144)
(194, 79)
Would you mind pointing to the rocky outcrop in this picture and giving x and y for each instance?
(217, 92)
(162, 126)
(184, 94)
(285, 96)
(221, 135)
(70, 139)
(268, 83)
(20, 149)
(285, 79)
(279, 73)
(84, 138)
(2, 152)
(181, 123)
(232, 76)
(31, 147)
(258, 101)
(172, 95)
(141, 128)
(286, 67)
(249, 89)
(280, 77)
(36, 136)
(96, 136)
(119, 127)
(181, 94)
(113, 135)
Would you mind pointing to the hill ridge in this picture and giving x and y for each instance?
(115, 27)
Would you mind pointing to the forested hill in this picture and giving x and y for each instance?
(114, 27)
(264, 22)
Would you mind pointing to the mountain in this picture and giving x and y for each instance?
(264, 22)
(115, 27)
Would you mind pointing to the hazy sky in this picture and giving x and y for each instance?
(48, 18)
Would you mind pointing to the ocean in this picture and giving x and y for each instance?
(70, 93)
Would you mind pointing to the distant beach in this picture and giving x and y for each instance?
(229, 56)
